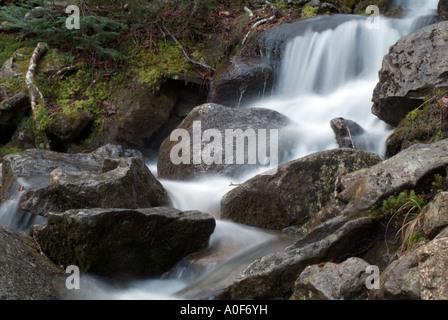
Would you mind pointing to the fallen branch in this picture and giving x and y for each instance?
(35, 94)
(185, 53)
(351, 138)
(256, 25)
(63, 70)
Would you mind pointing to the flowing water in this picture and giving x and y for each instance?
(323, 75)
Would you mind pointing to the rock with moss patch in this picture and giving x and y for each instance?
(25, 274)
(120, 183)
(296, 192)
(68, 127)
(414, 66)
(360, 191)
(118, 242)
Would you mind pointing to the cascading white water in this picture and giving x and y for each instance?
(332, 73)
(323, 75)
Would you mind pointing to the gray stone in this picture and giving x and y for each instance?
(120, 242)
(345, 281)
(436, 215)
(25, 274)
(433, 270)
(362, 189)
(221, 119)
(414, 66)
(295, 193)
(121, 183)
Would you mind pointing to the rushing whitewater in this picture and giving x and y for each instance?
(323, 75)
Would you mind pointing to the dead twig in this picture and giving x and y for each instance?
(185, 53)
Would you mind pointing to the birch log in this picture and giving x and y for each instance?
(35, 94)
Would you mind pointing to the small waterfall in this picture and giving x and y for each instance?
(12, 217)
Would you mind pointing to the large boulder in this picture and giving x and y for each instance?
(414, 66)
(296, 192)
(361, 190)
(433, 270)
(25, 274)
(111, 242)
(345, 281)
(242, 81)
(120, 183)
(32, 168)
(221, 120)
(274, 275)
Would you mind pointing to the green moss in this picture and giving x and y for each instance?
(169, 62)
(309, 12)
(9, 150)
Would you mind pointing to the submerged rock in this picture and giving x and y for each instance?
(414, 66)
(296, 192)
(110, 242)
(220, 120)
(25, 274)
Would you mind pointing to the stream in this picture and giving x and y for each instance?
(323, 75)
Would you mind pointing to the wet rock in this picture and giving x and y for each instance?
(32, 168)
(221, 120)
(121, 183)
(433, 270)
(242, 81)
(348, 133)
(436, 215)
(13, 109)
(361, 190)
(272, 42)
(273, 276)
(25, 274)
(68, 127)
(295, 193)
(345, 281)
(400, 280)
(111, 242)
(414, 66)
